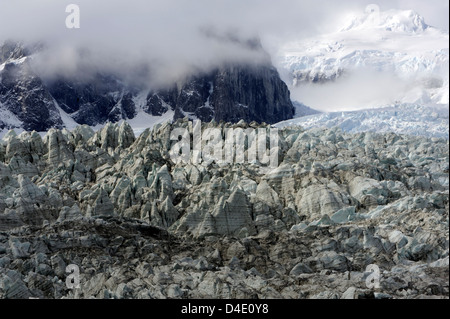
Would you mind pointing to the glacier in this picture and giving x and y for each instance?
(405, 119)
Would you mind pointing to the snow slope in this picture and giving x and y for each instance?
(143, 120)
(406, 119)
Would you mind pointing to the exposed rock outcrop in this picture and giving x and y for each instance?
(229, 93)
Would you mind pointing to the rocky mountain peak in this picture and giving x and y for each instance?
(250, 91)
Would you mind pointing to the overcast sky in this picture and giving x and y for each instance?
(123, 34)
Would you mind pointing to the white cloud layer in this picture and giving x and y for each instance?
(167, 38)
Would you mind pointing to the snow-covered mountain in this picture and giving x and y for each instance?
(374, 60)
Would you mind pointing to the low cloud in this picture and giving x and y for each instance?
(360, 89)
(158, 41)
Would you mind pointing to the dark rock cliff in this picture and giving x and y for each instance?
(231, 93)
(24, 94)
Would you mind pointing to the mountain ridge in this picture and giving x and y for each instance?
(229, 93)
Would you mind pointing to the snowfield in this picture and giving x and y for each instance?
(404, 119)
